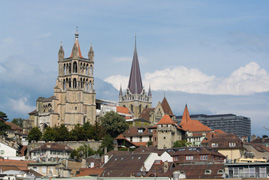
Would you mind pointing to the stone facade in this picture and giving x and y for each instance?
(74, 100)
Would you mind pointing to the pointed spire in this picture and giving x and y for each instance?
(120, 93)
(186, 116)
(135, 81)
(76, 48)
(61, 52)
(149, 94)
(166, 107)
(91, 54)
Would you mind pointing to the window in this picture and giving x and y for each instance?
(188, 158)
(220, 171)
(232, 144)
(131, 139)
(140, 130)
(204, 157)
(140, 138)
(214, 145)
(2, 152)
(208, 171)
(164, 137)
(44, 169)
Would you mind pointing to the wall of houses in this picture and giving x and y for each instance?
(7, 151)
(232, 154)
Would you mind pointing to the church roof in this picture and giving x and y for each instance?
(166, 107)
(190, 124)
(76, 45)
(135, 81)
(167, 120)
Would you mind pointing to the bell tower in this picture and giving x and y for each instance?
(135, 97)
(75, 97)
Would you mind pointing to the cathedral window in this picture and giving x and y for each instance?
(69, 83)
(132, 108)
(64, 84)
(69, 68)
(64, 69)
(74, 83)
(75, 67)
(87, 69)
(91, 71)
(49, 107)
(140, 108)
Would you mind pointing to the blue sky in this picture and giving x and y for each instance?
(212, 55)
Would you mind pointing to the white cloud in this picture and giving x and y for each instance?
(44, 35)
(246, 80)
(117, 81)
(20, 105)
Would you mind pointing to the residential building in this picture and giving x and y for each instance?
(197, 171)
(247, 170)
(196, 131)
(74, 99)
(14, 132)
(135, 97)
(129, 165)
(190, 155)
(227, 144)
(51, 152)
(229, 123)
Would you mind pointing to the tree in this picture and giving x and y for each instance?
(113, 123)
(81, 152)
(49, 134)
(107, 142)
(3, 128)
(3, 116)
(34, 134)
(61, 133)
(181, 143)
(78, 133)
(18, 121)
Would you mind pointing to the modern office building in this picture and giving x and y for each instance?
(229, 123)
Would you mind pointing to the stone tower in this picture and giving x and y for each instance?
(74, 95)
(135, 98)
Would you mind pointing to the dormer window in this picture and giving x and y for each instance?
(232, 144)
(220, 171)
(208, 171)
(214, 145)
(140, 130)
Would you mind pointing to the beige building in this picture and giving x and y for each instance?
(168, 132)
(135, 98)
(74, 99)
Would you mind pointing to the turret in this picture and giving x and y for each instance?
(61, 53)
(91, 54)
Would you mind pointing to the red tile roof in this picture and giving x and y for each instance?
(192, 125)
(22, 165)
(146, 113)
(13, 126)
(166, 120)
(90, 172)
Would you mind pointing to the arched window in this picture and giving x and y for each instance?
(70, 84)
(90, 85)
(49, 107)
(140, 108)
(87, 69)
(69, 67)
(75, 69)
(91, 70)
(74, 83)
(86, 86)
(64, 84)
(208, 171)
(64, 69)
(132, 108)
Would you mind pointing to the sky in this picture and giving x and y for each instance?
(211, 55)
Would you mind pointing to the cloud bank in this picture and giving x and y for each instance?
(246, 80)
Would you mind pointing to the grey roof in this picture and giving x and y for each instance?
(135, 81)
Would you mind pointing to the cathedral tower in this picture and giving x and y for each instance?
(135, 98)
(74, 95)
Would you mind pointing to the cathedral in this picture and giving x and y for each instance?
(135, 98)
(74, 99)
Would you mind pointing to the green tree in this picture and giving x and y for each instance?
(78, 133)
(89, 130)
(35, 134)
(3, 128)
(49, 134)
(181, 143)
(114, 124)
(3, 116)
(107, 142)
(61, 133)
(81, 152)
(18, 121)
